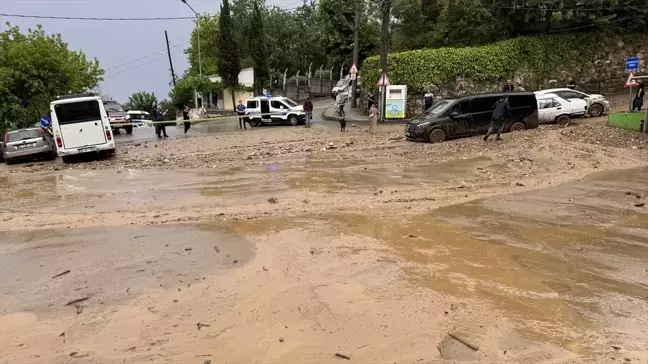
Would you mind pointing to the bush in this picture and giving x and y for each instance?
(491, 63)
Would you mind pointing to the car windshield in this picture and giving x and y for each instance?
(15, 136)
(290, 102)
(439, 107)
(113, 108)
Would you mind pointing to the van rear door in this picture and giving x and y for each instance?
(80, 124)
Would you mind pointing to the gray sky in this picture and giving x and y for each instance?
(117, 42)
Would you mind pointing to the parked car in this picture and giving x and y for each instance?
(554, 109)
(139, 118)
(27, 144)
(594, 104)
(274, 110)
(80, 124)
(119, 119)
(471, 115)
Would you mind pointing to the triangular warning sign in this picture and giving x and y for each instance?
(383, 81)
(354, 69)
(631, 82)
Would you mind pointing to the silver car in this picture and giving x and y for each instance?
(27, 144)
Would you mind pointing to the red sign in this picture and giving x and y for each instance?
(383, 81)
(631, 82)
(354, 69)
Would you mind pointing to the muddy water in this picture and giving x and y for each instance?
(567, 264)
(109, 265)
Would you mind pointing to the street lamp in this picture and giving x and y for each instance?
(198, 22)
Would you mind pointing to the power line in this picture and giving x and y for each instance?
(93, 18)
(144, 57)
(139, 65)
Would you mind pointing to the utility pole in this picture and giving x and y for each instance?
(385, 6)
(166, 36)
(356, 51)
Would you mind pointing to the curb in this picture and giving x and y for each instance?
(328, 114)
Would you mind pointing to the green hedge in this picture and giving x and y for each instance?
(489, 63)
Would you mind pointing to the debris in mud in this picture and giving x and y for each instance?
(235, 261)
(464, 341)
(519, 184)
(616, 347)
(207, 362)
(79, 309)
(281, 339)
(273, 200)
(342, 356)
(188, 249)
(200, 326)
(78, 300)
(62, 274)
(640, 204)
(265, 269)
(62, 334)
(217, 248)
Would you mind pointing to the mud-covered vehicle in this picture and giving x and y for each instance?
(471, 115)
(119, 119)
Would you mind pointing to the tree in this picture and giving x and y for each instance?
(465, 22)
(182, 94)
(229, 65)
(209, 50)
(34, 69)
(141, 100)
(258, 48)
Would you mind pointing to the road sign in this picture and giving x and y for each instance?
(383, 81)
(353, 70)
(631, 81)
(632, 64)
(45, 121)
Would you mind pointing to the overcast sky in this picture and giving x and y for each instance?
(117, 42)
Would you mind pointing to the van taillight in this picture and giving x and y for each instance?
(59, 142)
(108, 135)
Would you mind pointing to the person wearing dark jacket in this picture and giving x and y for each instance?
(501, 109)
(308, 109)
(508, 86)
(185, 118)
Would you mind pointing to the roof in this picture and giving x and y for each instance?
(77, 98)
(552, 90)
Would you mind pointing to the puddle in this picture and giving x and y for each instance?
(101, 260)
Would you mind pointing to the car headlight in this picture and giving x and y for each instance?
(422, 125)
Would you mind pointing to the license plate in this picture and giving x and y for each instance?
(22, 146)
(86, 150)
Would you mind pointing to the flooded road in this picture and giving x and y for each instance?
(305, 244)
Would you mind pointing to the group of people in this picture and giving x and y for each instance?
(160, 126)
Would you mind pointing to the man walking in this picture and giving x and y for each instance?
(160, 128)
(340, 101)
(501, 110)
(308, 109)
(240, 110)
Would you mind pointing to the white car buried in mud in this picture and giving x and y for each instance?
(595, 104)
(554, 109)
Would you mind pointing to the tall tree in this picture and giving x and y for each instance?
(258, 47)
(34, 69)
(209, 50)
(141, 100)
(229, 65)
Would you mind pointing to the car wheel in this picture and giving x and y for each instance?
(8, 161)
(563, 120)
(596, 110)
(67, 159)
(517, 126)
(293, 120)
(437, 136)
(129, 129)
(255, 122)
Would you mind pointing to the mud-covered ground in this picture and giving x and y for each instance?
(281, 245)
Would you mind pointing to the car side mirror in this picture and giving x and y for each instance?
(454, 114)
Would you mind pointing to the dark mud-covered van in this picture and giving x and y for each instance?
(471, 115)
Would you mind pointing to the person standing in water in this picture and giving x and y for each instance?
(185, 118)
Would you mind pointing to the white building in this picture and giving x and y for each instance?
(223, 100)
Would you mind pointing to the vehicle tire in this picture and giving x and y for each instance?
(596, 110)
(436, 136)
(517, 126)
(293, 120)
(129, 129)
(8, 161)
(67, 159)
(254, 122)
(563, 120)
(110, 152)
(52, 156)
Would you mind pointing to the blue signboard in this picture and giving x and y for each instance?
(45, 121)
(632, 64)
